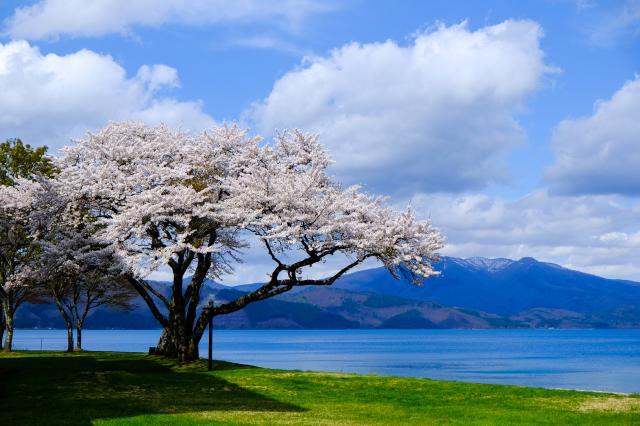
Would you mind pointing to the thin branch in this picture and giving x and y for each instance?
(270, 251)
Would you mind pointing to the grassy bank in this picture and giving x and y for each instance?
(134, 389)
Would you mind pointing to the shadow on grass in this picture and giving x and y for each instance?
(77, 389)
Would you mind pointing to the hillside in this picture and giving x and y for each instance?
(536, 293)
(470, 293)
(504, 286)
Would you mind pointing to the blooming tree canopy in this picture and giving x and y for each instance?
(285, 197)
(155, 190)
(168, 198)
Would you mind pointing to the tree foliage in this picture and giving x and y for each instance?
(19, 160)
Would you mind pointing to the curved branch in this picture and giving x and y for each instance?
(271, 253)
(155, 292)
(149, 301)
(334, 278)
(275, 287)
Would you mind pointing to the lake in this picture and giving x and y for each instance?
(603, 360)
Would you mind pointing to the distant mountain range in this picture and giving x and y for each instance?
(470, 293)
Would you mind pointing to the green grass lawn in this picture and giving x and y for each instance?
(105, 388)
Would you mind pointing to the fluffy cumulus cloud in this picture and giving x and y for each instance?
(595, 234)
(46, 99)
(48, 19)
(600, 154)
(435, 115)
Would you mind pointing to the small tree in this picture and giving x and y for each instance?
(83, 276)
(167, 198)
(79, 272)
(17, 252)
(17, 161)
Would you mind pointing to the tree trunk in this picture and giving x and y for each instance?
(67, 319)
(8, 319)
(193, 353)
(8, 338)
(184, 349)
(78, 336)
(174, 341)
(2, 328)
(69, 336)
(167, 345)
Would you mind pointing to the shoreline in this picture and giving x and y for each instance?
(334, 373)
(595, 360)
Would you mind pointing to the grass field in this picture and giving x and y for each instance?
(102, 388)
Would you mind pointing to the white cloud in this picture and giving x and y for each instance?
(46, 99)
(595, 234)
(600, 154)
(79, 18)
(158, 76)
(269, 42)
(436, 115)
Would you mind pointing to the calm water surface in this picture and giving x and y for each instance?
(605, 360)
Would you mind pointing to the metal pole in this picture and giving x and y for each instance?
(210, 340)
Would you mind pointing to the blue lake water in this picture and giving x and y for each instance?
(603, 360)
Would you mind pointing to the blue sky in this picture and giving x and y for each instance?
(512, 125)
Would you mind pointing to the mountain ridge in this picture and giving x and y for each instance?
(475, 292)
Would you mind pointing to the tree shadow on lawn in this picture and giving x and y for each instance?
(78, 389)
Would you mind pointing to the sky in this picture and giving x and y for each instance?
(514, 126)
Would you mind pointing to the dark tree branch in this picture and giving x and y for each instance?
(273, 288)
(272, 254)
(204, 263)
(148, 300)
(148, 287)
(186, 263)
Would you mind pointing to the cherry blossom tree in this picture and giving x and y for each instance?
(156, 194)
(168, 199)
(17, 251)
(18, 162)
(78, 271)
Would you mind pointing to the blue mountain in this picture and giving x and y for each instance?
(505, 286)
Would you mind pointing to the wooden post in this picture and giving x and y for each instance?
(210, 341)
